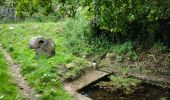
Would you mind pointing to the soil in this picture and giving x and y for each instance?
(28, 92)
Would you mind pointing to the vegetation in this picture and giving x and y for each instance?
(29, 7)
(39, 73)
(121, 81)
(127, 84)
(8, 88)
(136, 31)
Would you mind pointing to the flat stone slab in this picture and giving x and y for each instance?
(83, 81)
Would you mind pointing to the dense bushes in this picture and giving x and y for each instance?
(134, 19)
(81, 42)
(26, 8)
(115, 15)
(120, 20)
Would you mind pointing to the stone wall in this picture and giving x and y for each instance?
(7, 13)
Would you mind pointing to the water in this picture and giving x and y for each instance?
(145, 92)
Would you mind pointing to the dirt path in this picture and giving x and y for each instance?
(27, 91)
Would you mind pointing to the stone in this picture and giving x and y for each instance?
(69, 66)
(42, 46)
(36, 41)
(110, 57)
(47, 47)
(11, 27)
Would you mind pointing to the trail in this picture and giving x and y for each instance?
(27, 91)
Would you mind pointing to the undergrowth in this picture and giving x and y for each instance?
(81, 42)
(72, 37)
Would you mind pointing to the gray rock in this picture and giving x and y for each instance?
(110, 57)
(36, 41)
(47, 47)
(42, 46)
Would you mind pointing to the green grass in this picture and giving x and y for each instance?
(8, 89)
(71, 36)
(41, 73)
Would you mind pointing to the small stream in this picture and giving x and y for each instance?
(144, 92)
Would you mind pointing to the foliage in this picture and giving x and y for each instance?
(76, 31)
(125, 49)
(7, 3)
(121, 13)
(132, 19)
(8, 89)
(124, 84)
(29, 7)
(81, 42)
(125, 19)
(68, 7)
(2, 2)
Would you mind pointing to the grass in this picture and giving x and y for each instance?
(8, 89)
(41, 73)
(70, 36)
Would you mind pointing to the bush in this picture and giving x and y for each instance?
(136, 20)
(76, 32)
(26, 8)
(81, 41)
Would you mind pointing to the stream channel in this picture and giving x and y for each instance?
(145, 91)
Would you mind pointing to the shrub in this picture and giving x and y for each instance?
(76, 32)
(133, 19)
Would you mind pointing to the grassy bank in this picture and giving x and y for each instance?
(41, 73)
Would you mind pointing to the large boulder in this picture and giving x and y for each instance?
(47, 48)
(42, 46)
(35, 42)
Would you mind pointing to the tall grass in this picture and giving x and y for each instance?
(81, 40)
